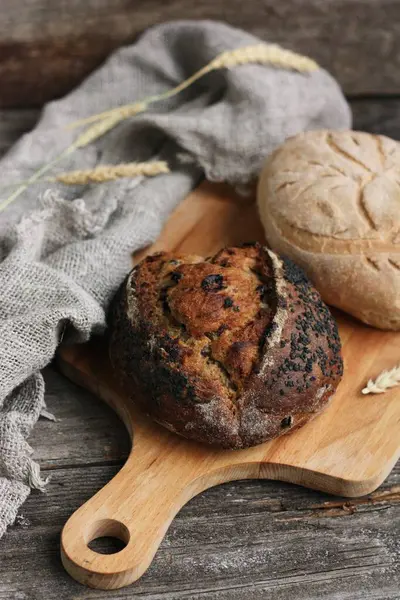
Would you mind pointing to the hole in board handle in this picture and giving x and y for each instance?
(107, 536)
(106, 545)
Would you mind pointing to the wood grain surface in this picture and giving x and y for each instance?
(348, 450)
(49, 46)
(238, 541)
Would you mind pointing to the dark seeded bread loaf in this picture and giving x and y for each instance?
(231, 350)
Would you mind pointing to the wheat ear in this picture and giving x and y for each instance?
(96, 131)
(112, 172)
(127, 110)
(86, 138)
(258, 54)
(386, 380)
(265, 54)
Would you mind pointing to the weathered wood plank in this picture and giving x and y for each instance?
(88, 431)
(48, 46)
(252, 540)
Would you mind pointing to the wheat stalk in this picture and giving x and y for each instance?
(107, 120)
(22, 186)
(127, 110)
(257, 54)
(96, 131)
(385, 380)
(87, 137)
(112, 172)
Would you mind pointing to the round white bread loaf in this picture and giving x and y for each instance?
(330, 200)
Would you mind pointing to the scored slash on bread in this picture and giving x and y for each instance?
(231, 350)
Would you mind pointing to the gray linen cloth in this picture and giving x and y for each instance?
(64, 250)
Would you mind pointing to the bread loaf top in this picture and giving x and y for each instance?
(231, 350)
(331, 201)
(342, 185)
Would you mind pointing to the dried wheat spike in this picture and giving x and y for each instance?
(112, 172)
(125, 111)
(264, 54)
(95, 131)
(384, 381)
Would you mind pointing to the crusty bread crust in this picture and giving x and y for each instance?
(331, 202)
(231, 350)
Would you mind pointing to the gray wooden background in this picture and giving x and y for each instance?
(248, 540)
(47, 46)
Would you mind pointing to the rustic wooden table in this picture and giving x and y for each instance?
(244, 540)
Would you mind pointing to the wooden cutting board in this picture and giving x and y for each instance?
(348, 450)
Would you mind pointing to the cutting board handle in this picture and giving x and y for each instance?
(137, 507)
